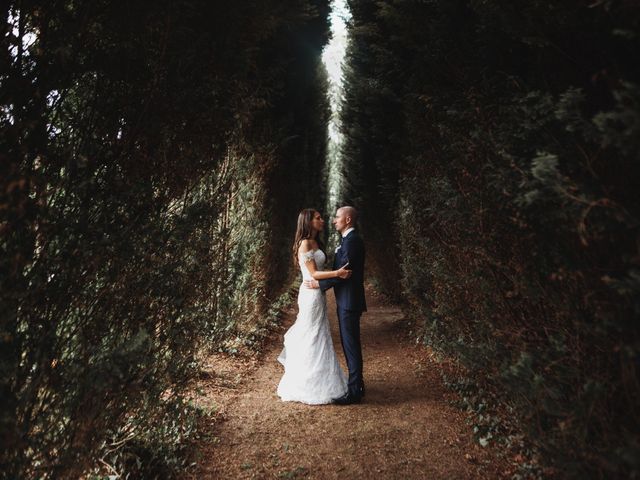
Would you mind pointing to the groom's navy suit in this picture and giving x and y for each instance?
(351, 303)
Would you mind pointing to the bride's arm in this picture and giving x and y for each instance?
(304, 250)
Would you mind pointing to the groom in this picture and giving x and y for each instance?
(349, 294)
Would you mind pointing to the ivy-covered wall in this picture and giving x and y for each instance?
(493, 147)
(143, 219)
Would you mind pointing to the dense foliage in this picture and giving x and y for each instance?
(144, 149)
(495, 146)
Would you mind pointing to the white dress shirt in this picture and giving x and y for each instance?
(347, 231)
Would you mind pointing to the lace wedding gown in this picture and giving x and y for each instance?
(312, 373)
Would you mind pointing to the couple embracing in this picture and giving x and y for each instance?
(312, 373)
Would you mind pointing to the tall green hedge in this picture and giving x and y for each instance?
(495, 145)
(142, 145)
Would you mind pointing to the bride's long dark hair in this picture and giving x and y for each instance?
(304, 232)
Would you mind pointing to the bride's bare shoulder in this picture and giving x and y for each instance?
(307, 245)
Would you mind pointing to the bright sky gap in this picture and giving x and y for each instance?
(333, 59)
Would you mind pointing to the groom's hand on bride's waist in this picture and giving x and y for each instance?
(311, 284)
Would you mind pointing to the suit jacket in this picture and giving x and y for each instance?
(349, 292)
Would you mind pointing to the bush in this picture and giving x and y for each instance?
(140, 143)
(510, 176)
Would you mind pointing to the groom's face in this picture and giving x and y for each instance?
(341, 221)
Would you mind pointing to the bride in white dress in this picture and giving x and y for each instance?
(312, 373)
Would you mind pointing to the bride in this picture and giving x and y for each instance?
(312, 374)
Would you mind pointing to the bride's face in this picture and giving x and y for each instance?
(317, 223)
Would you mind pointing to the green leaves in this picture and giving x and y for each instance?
(498, 155)
(142, 215)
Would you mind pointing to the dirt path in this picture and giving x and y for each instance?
(404, 429)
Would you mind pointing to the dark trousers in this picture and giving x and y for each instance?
(350, 337)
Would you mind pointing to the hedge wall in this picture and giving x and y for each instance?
(142, 150)
(494, 147)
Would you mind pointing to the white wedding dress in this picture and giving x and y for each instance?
(312, 373)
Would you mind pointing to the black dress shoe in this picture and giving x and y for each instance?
(347, 399)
